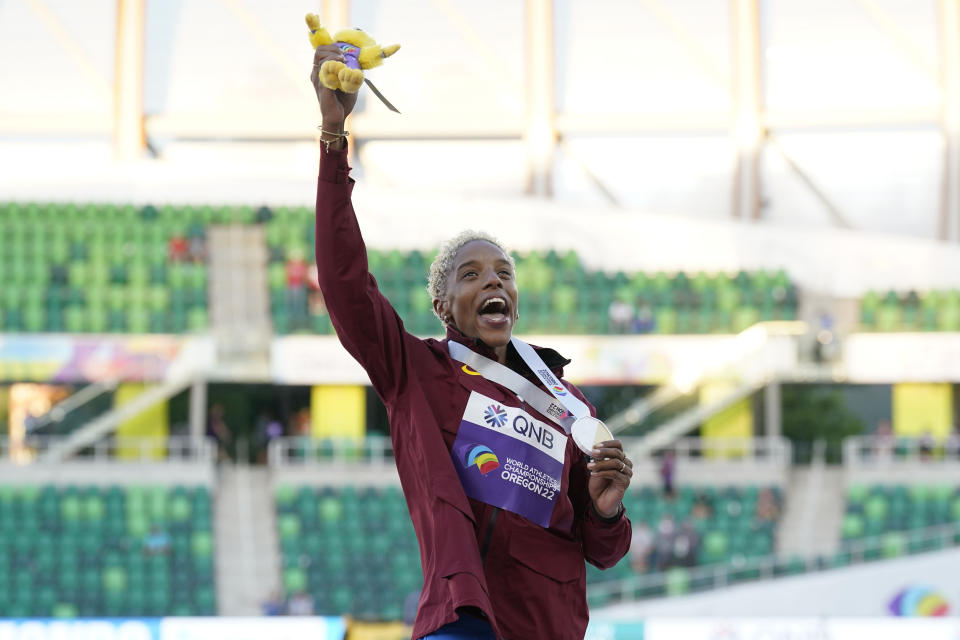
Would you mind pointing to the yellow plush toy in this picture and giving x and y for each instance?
(360, 50)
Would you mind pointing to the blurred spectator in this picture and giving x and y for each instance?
(297, 290)
(667, 466)
(274, 604)
(641, 546)
(644, 321)
(197, 247)
(883, 441)
(268, 428)
(686, 544)
(300, 604)
(663, 547)
(734, 508)
(178, 248)
(767, 509)
(300, 423)
(217, 429)
(825, 348)
(926, 445)
(156, 543)
(621, 317)
(701, 509)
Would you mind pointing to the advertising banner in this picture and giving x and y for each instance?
(106, 629)
(798, 629)
(64, 358)
(634, 359)
(293, 628)
(600, 630)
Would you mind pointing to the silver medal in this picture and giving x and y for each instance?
(587, 432)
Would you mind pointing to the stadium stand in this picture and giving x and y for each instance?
(560, 295)
(105, 268)
(701, 526)
(85, 551)
(912, 311)
(893, 510)
(320, 530)
(120, 269)
(352, 549)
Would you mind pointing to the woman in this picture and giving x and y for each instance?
(505, 506)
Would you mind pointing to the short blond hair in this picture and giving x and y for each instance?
(442, 265)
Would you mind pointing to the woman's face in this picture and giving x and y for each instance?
(481, 294)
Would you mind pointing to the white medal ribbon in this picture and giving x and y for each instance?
(554, 386)
(565, 409)
(528, 391)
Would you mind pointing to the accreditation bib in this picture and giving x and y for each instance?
(508, 459)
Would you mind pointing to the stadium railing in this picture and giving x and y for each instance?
(680, 581)
(873, 451)
(169, 448)
(773, 450)
(305, 450)
(60, 413)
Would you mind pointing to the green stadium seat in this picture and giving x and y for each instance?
(894, 545)
(115, 258)
(677, 581)
(76, 569)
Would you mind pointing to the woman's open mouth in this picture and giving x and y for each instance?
(494, 312)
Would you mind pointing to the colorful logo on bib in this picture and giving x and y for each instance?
(495, 416)
(480, 455)
(559, 390)
(919, 602)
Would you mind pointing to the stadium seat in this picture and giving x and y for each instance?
(887, 516)
(86, 553)
(114, 258)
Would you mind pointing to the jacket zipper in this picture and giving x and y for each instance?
(486, 541)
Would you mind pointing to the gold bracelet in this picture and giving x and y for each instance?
(338, 135)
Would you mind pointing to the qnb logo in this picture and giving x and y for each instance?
(495, 416)
(529, 429)
(559, 390)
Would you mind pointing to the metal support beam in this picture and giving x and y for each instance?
(949, 20)
(540, 135)
(748, 126)
(129, 138)
(772, 411)
(198, 409)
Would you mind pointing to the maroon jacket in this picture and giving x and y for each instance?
(529, 580)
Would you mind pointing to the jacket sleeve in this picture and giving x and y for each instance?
(366, 324)
(604, 542)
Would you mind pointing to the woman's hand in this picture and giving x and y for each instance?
(610, 473)
(335, 105)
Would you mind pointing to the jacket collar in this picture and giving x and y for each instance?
(551, 358)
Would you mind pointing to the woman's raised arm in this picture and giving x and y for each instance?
(367, 325)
